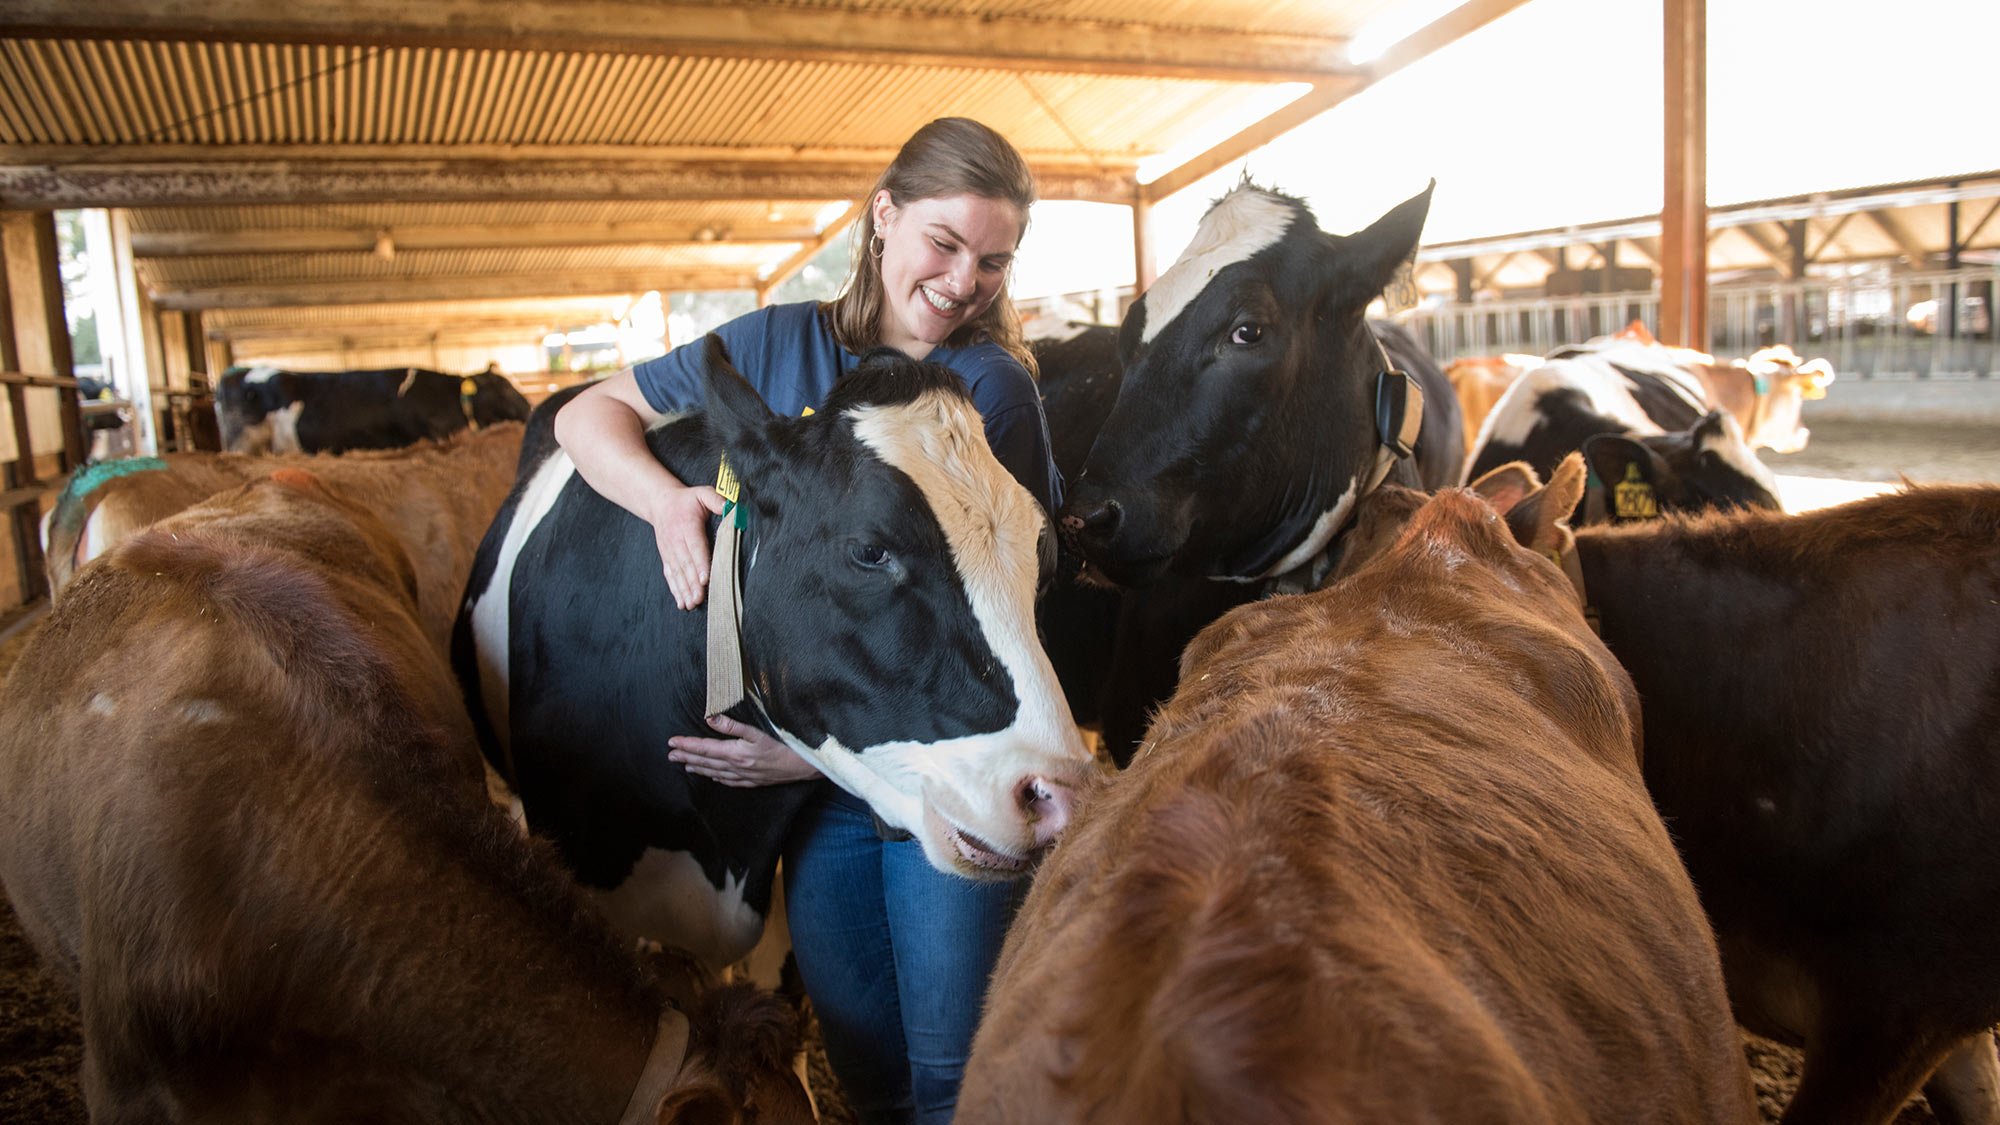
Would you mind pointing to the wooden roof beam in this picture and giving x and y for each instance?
(88, 176)
(1325, 94)
(269, 295)
(1900, 235)
(806, 253)
(763, 31)
(186, 244)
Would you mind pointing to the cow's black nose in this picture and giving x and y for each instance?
(1097, 522)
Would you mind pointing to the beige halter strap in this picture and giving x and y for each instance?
(663, 1066)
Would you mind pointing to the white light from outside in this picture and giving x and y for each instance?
(1395, 26)
(1261, 105)
(830, 212)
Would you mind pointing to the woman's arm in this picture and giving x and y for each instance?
(604, 432)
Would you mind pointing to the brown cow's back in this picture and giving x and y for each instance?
(1387, 857)
(437, 497)
(241, 810)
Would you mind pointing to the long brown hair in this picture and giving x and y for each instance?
(949, 156)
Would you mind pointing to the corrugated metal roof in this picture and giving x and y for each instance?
(169, 92)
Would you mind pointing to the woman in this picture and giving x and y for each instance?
(894, 953)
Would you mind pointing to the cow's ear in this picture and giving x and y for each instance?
(1372, 255)
(1634, 478)
(1537, 513)
(1507, 486)
(738, 419)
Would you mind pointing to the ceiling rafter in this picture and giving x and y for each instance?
(578, 283)
(483, 236)
(1900, 235)
(767, 31)
(221, 174)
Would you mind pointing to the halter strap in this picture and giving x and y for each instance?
(1399, 417)
(663, 1067)
(725, 613)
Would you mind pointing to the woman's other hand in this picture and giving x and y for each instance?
(680, 530)
(745, 756)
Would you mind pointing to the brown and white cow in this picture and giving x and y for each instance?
(241, 812)
(1822, 730)
(1386, 856)
(427, 490)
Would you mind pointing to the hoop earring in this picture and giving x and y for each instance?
(875, 245)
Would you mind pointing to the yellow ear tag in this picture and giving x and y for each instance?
(726, 484)
(1633, 498)
(468, 386)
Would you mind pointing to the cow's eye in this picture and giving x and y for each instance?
(1247, 334)
(869, 555)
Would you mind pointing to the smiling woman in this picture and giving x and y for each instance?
(894, 950)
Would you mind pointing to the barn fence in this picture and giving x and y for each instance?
(1933, 325)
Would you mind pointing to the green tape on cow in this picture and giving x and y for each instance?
(87, 479)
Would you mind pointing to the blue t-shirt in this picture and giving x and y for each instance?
(789, 354)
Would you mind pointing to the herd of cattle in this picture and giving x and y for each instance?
(1507, 801)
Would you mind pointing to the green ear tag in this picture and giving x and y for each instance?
(1633, 498)
(726, 484)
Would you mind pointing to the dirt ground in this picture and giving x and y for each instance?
(40, 1047)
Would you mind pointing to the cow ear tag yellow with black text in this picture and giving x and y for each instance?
(1633, 498)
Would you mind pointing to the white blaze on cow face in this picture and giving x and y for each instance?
(942, 792)
(1240, 224)
(489, 612)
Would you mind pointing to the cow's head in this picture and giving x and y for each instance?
(1245, 428)
(890, 570)
(1783, 383)
(257, 410)
(1706, 466)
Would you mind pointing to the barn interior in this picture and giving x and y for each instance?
(326, 186)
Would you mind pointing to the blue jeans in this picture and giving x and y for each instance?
(895, 955)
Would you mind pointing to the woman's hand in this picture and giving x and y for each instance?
(680, 531)
(743, 758)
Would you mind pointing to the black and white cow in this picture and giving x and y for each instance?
(1254, 409)
(1638, 391)
(889, 569)
(266, 410)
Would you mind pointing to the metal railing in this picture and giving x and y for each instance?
(1875, 325)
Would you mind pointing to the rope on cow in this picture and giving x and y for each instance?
(725, 599)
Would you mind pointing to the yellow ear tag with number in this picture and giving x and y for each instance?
(1633, 498)
(468, 386)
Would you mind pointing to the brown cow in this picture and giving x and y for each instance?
(241, 811)
(1823, 732)
(423, 490)
(1479, 381)
(1386, 856)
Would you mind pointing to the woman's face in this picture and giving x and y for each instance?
(943, 262)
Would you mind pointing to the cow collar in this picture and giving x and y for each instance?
(663, 1068)
(1399, 416)
(725, 598)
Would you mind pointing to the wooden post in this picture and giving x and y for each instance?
(1462, 270)
(1684, 207)
(1145, 269)
(139, 343)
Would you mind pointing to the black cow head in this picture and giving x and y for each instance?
(1708, 465)
(889, 573)
(1245, 429)
(257, 409)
